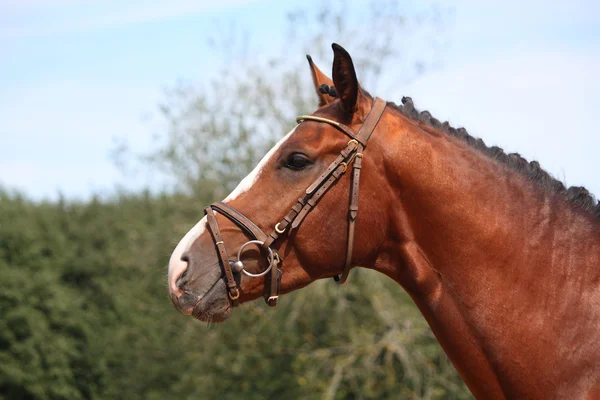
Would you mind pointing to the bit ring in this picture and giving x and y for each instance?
(258, 243)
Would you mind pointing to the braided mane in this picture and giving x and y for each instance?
(578, 196)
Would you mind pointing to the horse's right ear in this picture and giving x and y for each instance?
(352, 97)
(320, 79)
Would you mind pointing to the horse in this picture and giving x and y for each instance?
(502, 260)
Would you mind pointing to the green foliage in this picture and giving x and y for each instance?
(45, 330)
(85, 314)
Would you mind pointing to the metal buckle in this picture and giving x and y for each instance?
(356, 155)
(237, 296)
(345, 166)
(278, 230)
(353, 141)
(277, 258)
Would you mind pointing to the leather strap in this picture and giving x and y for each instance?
(232, 288)
(274, 285)
(344, 128)
(281, 227)
(316, 196)
(364, 133)
(344, 154)
(240, 220)
(368, 127)
(256, 233)
(352, 214)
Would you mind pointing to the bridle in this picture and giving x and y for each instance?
(351, 154)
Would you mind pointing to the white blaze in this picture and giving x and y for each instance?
(252, 177)
(176, 265)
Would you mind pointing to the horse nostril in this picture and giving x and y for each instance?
(185, 256)
(178, 265)
(182, 280)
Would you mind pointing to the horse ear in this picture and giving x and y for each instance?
(320, 79)
(345, 81)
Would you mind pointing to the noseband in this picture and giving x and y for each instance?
(351, 154)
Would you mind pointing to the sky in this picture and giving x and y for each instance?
(76, 75)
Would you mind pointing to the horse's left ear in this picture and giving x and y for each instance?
(320, 79)
(345, 81)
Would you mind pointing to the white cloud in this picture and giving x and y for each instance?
(37, 17)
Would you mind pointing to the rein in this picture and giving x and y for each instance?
(351, 154)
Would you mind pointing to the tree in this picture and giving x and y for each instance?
(217, 132)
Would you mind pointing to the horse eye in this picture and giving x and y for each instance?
(297, 162)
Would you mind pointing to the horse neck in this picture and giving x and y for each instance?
(479, 247)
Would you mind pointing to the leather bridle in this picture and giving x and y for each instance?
(351, 154)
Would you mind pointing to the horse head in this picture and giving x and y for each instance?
(301, 193)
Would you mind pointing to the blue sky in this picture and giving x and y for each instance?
(77, 74)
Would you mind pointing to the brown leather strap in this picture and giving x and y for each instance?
(344, 128)
(368, 127)
(240, 220)
(281, 227)
(364, 133)
(344, 154)
(356, 167)
(352, 214)
(314, 199)
(273, 279)
(274, 285)
(234, 292)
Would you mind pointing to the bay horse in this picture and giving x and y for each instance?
(502, 260)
